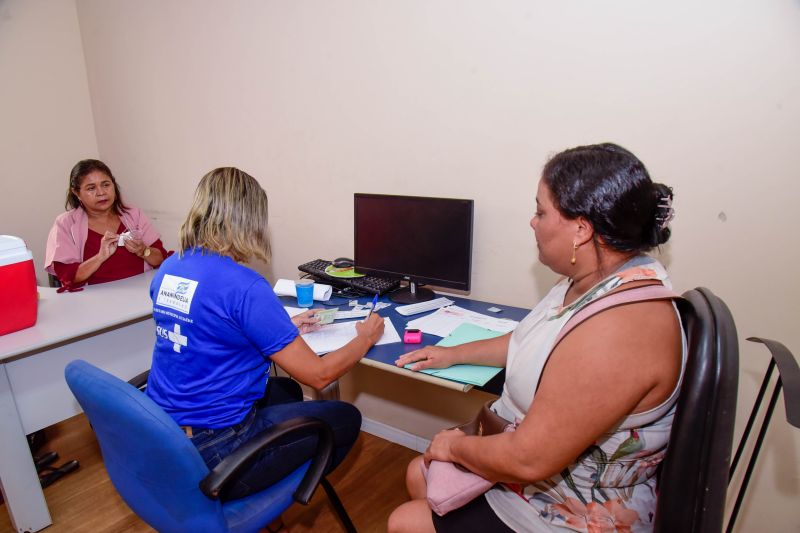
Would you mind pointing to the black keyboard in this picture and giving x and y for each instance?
(367, 284)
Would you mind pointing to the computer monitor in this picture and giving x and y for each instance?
(418, 239)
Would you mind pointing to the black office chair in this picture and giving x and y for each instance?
(693, 480)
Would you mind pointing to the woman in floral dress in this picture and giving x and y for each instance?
(594, 409)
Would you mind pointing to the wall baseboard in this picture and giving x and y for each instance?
(392, 434)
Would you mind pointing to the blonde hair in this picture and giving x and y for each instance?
(228, 216)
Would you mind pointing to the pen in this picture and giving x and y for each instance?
(374, 303)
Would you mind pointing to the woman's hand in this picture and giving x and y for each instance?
(371, 328)
(441, 448)
(108, 245)
(135, 246)
(427, 357)
(306, 321)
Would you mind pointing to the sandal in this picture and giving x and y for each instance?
(56, 473)
(45, 459)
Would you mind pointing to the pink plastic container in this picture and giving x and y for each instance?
(18, 295)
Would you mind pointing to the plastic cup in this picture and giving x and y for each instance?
(305, 292)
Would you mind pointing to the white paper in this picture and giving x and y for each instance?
(124, 236)
(390, 334)
(355, 313)
(285, 287)
(443, 321)
(294, 311)
(340, 315)
(334, 336)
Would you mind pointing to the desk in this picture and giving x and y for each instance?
(109, 325)
(383, 356)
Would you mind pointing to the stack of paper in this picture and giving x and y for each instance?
(337, 315)
(445, 320)
(334, 336)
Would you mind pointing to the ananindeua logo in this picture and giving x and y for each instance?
(176, 293)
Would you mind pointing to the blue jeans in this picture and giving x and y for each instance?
(282, 457)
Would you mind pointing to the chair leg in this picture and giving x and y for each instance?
(337, 505)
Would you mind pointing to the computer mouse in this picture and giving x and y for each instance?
(342, 262)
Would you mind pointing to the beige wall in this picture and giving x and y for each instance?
(466, 98)
(45, 116)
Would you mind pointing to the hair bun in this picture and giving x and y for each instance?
(611, 188)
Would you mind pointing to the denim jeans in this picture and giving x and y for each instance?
(285, 455)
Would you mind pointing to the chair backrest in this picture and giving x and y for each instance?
(152, 464)
(694, 475)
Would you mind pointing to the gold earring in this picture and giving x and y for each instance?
(574, 260)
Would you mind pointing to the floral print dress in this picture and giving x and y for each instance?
(611, 486)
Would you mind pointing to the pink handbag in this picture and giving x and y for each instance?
(450, 485)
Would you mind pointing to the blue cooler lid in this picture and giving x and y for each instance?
(13, 250)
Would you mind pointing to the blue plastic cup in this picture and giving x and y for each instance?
(305, 292)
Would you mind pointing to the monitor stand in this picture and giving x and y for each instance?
(412, 294)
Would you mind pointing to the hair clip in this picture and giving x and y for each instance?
(666, 212)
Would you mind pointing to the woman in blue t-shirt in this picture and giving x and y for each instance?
(218, 326)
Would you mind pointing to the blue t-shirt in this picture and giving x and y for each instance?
(217, 324)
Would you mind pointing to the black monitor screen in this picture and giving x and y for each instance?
(424, 240)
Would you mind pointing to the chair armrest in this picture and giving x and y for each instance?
(140, 381)
(789, 374)
(239, 460)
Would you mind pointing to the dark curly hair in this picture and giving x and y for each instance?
(608, 186)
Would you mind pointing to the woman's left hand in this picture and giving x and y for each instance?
(135, 246)
(441, 446)
(306, 321)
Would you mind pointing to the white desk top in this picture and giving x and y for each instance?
(70, 315)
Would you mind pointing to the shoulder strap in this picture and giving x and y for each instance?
(643, 293)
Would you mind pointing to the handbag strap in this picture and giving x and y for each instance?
(642, 293)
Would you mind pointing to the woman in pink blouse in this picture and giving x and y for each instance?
(99, 238)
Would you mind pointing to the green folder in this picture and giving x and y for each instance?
(471, 374)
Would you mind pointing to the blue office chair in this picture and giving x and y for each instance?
(161, 476)
(693, 480)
